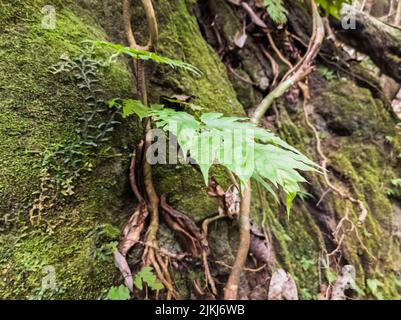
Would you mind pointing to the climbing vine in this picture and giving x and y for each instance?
(279, 168)
(64, 163)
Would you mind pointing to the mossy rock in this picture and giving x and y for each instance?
(351, 110)
(38, 110)
(78, 235)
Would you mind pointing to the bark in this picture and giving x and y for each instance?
(379, 40)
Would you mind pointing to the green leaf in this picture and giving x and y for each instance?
(244, 149)
(181, 124)
(205, 149)
(396, 182)
(332, 7)
(276, 11)
(331, 276)
(131, 107)
(118, 293)
(156, 106)
(357, 289)
(113, 102)
(147, 276)
(289, 199)
(373, 285)
(326, 73)
(146, 55)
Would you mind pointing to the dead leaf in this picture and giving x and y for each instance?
(232, 201)
(180, 97)
(122, 265)
(214, 189)
(260, 3)
(240, 39)
(260, 248)
(229, 201)
(133, 229)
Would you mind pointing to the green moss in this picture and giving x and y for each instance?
(362, 165)
(70, 250)
(180, 38)
(350, 110)
(32, 98)
(39, 109)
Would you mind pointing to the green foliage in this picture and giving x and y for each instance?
(146, 55)
(389, 139)
(332, 7)
(118, 293)
(84, 69)
(396, 184)
(233, 142)
(326, 73)
(331, 276)
(374, 288)
(105, 242)
(359, 291)
(63, 163)
(306, 263)
(276, 10)
(147, 276)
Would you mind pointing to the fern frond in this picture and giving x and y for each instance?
(235, 143)
(276, 11)
(147, 55)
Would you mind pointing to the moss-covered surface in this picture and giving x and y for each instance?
(353, 126)
(39, 109)
(368, 167)
(180, 37)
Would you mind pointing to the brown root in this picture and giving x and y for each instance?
(231, 288)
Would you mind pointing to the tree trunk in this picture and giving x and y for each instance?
(381, 41)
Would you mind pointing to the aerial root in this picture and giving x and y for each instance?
(205, 253)
(340, 232)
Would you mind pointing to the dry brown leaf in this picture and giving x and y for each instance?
(229, 201)
(259, 249)
(180, 97)
(240, 39)
(133, 229)
(232, 199)
(122, 265)
(260, 4)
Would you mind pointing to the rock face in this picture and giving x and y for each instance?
(77, 234)
(40, 110)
